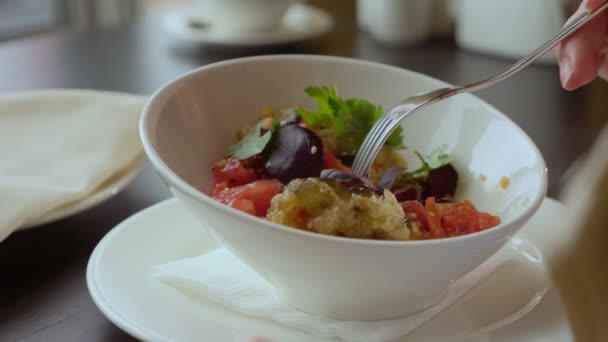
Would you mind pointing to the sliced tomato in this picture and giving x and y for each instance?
(244, 205)
(218, 188)
(415, 212)
(234, 173)
(439, 220)
(434, 212)
(461, 218)
(259, 193)
(331, 162)
(487, 221)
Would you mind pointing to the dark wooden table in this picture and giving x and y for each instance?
(43, 295)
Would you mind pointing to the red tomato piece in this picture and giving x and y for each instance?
(234, 173)
(461, 218)
(487, 221)
(330, 161)
(218, 188)
(438, 220)
(259, 193)
(244, 205)
(416, 213)
(434, 214)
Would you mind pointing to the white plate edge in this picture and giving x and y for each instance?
(97, 197)
(183, 33)
(119, 320)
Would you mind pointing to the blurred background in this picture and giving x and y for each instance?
(458, 41)
(29, 18)
(19, 18)
(22, 18)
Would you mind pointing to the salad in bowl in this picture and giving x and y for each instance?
(292, 167)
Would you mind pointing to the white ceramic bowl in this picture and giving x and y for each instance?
(188, 124)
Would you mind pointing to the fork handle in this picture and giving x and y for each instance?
(570, 27)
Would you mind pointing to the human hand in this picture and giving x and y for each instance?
(584, 55)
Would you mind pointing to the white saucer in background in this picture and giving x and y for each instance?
(518, 302)
(108, 189)
(301, 22)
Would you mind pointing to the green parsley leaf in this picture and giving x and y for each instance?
(352, 122)
(437, 159)
(395, 140)
(327, 101)
(349, 119)
(315, 118)
(254, 143)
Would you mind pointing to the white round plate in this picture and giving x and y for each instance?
(300, 23)
(108, 189)
(517, 302)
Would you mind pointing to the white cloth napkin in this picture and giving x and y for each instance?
(220, 277)
(58, 146)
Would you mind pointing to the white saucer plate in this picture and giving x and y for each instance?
(516, 302)
(108, 189)
(301, 22)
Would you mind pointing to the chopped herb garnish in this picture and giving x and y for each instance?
(437, 159)
(349, 119)
(254, 143)
(436, 177)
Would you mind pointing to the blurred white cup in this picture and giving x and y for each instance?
(510, 29)
(396, 21)
(242, 15)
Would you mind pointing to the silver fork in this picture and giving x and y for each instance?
(383, 128)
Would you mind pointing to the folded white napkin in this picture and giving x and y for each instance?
(220, 277)
(58, 146)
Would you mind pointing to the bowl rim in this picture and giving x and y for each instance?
(148, 114)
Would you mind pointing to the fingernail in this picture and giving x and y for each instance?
(565, 69)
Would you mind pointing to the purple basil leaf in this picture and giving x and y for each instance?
(389, 177)
(351, 181)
